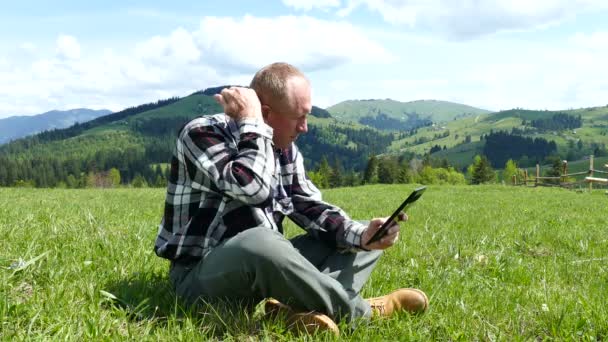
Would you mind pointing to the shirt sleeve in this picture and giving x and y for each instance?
(243, 172)
(321, 219)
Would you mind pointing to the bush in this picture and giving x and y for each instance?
(139, 181)
(440, 175)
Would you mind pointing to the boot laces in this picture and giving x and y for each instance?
(379, 307)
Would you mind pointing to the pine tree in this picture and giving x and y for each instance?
(324, 173)
(370, 176)
(336, 177)
(404, 173)
(388, 171)
(482, 171)
(555, 170)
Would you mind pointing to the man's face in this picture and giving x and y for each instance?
(288, 117)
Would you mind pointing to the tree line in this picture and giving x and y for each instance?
(385, 122)
(558, 122)
(149, 143)
(502, 146)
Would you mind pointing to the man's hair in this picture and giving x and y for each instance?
(270, 82)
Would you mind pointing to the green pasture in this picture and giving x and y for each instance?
(594, 129)
(577, 166)
(498, 263)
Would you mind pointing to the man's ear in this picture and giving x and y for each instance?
(265, 112)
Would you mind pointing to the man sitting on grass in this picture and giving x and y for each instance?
(234, 177)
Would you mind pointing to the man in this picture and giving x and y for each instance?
(234, 177)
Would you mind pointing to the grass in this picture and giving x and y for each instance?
(497, 262)
(577, 166)
(438, 111)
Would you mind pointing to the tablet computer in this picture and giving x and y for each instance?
(413, 197)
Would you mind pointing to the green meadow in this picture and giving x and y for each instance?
(497, 262)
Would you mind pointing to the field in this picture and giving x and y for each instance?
(498, 263)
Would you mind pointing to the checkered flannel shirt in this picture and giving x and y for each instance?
(227, 177)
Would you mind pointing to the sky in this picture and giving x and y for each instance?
(493, 54)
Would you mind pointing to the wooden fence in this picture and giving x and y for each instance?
(566, 180)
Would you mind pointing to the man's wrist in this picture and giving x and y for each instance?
(358, 232)
(255, 125)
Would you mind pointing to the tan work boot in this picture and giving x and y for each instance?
(410, 300)
(309, 322)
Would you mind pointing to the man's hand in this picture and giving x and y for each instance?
(240, 103)
(389, 239)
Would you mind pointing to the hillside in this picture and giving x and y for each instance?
(138, 140)
(394, 115)
(462, 138)
(135, 141)
(15, 127)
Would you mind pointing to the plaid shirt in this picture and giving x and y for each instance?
(226, 177)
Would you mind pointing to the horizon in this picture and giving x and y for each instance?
(495, 56)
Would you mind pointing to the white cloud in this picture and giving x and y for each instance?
(219, 51)
(28, 47)
(308, 5)
(500, 74)
(470, 19)
(68, 47)
(312, 44)
(595, 41)
(178, 47)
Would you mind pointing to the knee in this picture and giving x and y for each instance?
(262, 245)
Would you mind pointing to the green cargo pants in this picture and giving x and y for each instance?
(303, 272)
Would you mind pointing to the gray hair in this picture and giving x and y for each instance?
(270, 82)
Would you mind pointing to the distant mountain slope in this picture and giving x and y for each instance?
(19, 126)
(462, 138)
(391, 114)
(136, 140)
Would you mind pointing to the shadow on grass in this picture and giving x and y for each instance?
(149, 298)
(143, 296)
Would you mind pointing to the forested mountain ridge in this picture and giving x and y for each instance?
(137, 140)
(134, 144)
(15, 127)
(575, 133)
(394, 115)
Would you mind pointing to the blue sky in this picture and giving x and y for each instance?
(498, 54)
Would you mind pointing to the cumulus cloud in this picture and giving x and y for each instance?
(463, 19)
(312, 44)
(501, 74)
(68, 47)
(219, 51)
(177, 47)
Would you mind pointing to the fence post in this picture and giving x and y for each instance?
(514, 180)
(537, 175)
(525, 177)
(590, 172)
(564, 171)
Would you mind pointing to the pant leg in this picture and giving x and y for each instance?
(260, 263)
(352, 270)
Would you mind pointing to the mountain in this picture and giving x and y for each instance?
(576, 133)
(19, 126)
(394, 115)
(136, 141)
